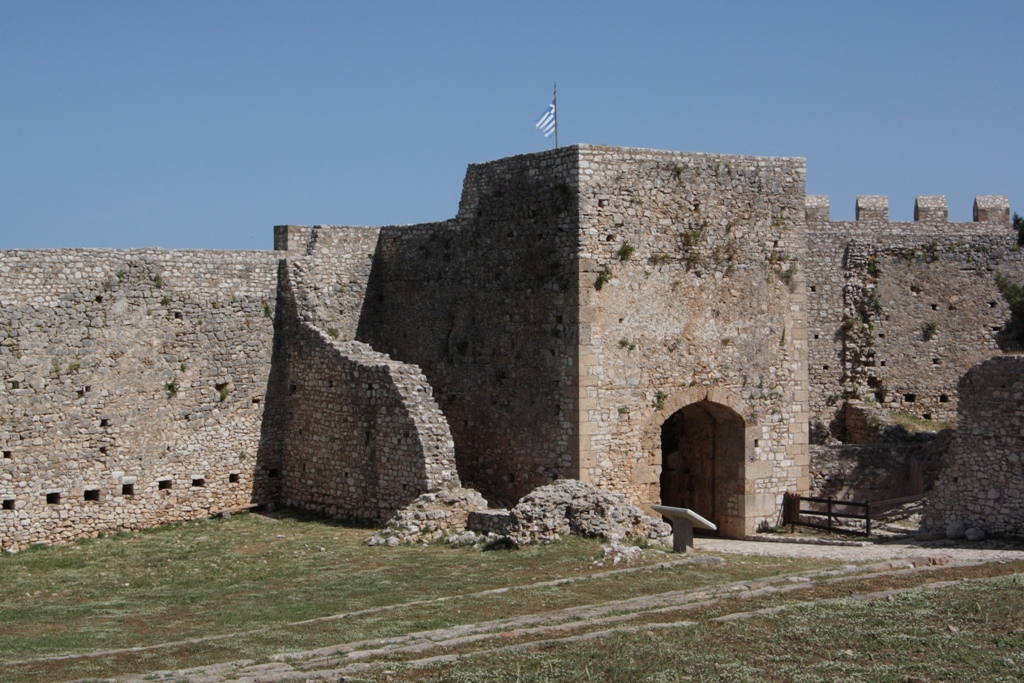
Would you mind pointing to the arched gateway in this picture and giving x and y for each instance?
(702, 461)
(698, 443)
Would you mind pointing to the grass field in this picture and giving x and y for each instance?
(226, 590)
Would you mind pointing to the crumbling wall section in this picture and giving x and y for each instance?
(363, 436)
(877, 471)
(982, 486)
(133, 388)
(485, 305)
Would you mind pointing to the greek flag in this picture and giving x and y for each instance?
(546, 123)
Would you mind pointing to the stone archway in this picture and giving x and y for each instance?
(702, 468)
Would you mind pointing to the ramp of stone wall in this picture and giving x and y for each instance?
(363, 435)
(982, 485)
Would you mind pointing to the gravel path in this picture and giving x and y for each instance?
(869, 552)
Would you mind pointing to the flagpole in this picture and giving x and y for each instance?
(556, 115)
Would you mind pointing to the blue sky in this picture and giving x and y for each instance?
(202, 124)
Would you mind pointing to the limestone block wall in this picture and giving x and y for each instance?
(485, 304)
(898, 311)
(330, 266)
(133, 387)
(982, 484)
(690, 290)
(365, 437)
(362, 434)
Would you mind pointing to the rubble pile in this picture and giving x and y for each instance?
(431, 516)
(569, 506)
(544, 515)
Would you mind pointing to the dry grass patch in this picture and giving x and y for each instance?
(254, 576)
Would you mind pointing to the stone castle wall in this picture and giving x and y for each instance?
(329, 267)
(898, 311)
(587, 307)
(134, 386)
(982, 484)
(361, 435)
(485, 305)
(690, 291)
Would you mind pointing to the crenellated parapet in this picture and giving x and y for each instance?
(899, 310)
(928, 209)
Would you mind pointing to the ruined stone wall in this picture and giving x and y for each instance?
(362, 435)
(898, 311)
(690, 290)
(982, 486)
(485, 305)
(877, 471)
(133, 387)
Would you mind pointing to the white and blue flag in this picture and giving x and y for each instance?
(546, 124)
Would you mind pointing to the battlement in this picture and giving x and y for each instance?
(927, 209)
(992, 209)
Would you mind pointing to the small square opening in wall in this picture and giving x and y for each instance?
(813, 288)
(272, 473)
(936, 361)
(927, 416)
(8, 504)
(8, 455)
(756, 442)
(127, 489)
(53, 499)
(177, 315)
(233, 478)
(198, 482)
(92, 494)
(909, 398)
(164, 484)
(104, 423)
(943, 398)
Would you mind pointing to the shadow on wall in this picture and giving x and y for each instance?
(270, 455)
(350, 432)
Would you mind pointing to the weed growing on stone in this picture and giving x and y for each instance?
(158, 281)
(603, 278)
(626, 251)
(928, 331)
(659, 400)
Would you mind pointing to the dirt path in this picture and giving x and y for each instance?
(907, 564)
